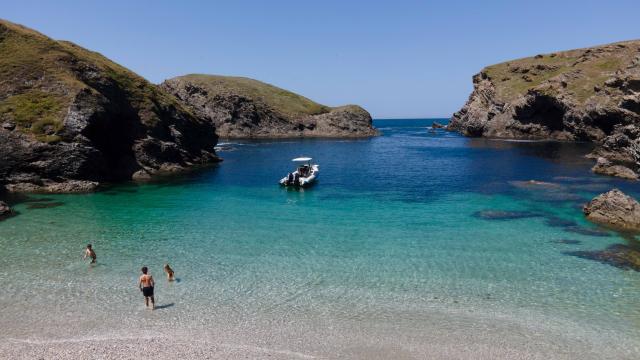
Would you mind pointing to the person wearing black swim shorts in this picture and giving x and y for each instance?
(146, 285)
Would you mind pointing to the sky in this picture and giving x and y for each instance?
(397, 59)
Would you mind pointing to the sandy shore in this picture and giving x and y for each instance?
(166, 348)
(481, 339)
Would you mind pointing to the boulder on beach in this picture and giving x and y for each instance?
(614, 209)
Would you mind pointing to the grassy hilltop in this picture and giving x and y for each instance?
(70, 118)
(40, 78)
(590, 94)
(288, 104)
(245, 108)
(584, 71)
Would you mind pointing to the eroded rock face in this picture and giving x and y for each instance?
(246, 108)
(606, 167)
(72, 119)
(584, 95)
(614, 209)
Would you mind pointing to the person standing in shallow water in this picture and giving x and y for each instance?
(88, 252)
(146, 285)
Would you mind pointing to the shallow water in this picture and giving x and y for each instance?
(388, 248)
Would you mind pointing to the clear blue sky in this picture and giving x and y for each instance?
(396, 58)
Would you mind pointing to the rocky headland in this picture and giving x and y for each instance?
(71, 119)
(590, 94)
(245, 108)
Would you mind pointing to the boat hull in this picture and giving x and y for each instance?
(302, 181)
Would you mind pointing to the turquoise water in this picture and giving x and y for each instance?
(386, 249)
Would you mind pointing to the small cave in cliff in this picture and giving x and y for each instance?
(542, 110)
(606, 120)
(113, 135)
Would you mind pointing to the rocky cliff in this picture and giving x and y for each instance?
(71, 119)
(245, 108)
(588, 94)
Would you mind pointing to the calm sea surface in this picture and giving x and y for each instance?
(388, 251)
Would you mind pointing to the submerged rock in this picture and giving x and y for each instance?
(535, 185)
(547, 191)
(573, 227)
(577, 95)
(555, 221)
(44, 205)
(437, 125)
(614, 209)
(618, 255)
(592, 187)
(505, 215)
(586, 231)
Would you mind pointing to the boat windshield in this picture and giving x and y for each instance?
(303, 170)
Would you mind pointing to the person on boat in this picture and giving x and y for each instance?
(89, 253)
(146, 285)
(290, 178)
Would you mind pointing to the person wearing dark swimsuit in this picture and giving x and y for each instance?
(146, 285)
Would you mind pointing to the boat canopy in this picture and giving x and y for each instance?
(302, 159)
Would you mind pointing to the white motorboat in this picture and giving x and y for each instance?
(304, 175)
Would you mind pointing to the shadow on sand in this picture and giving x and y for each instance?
(159, 307)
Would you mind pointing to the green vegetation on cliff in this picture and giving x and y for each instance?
(589, 94)
(287, 103)
(582, 72)
(40, 78)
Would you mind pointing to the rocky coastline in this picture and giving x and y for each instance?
(242, 108)
(590, 94)
(71, 119)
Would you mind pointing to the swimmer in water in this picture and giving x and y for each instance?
(88, 252)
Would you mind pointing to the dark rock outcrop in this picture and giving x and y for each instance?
(5, 210)
(606, 167)
(614, 209)
(583, 95)
(246, 108)
(71, 119)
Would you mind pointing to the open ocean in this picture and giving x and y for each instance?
(397, 252)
